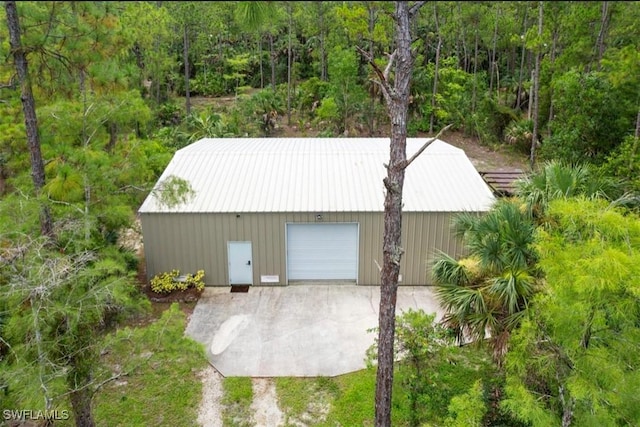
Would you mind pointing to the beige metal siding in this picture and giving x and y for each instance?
(423, 234)
(193, 241)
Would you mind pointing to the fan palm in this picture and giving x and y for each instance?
(486, 294)
(556, 180)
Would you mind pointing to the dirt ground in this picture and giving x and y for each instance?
(485, 158)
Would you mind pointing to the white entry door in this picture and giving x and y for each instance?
(240, 263)
(327, 251)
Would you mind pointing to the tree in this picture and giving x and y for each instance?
(189, 17)
(148, 26)
(560, 180)
(57, 306)
(575, 359)
(467, 410)
(397, 99)
(289, 60)
(436, 70)
(591, 117)
(486, 293)
(344, 88)
(251, 16)
(29, 109)
(421, 344)
(536, 90)
(420, 341)
(322, 34)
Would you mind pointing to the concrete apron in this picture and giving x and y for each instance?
(306, 330)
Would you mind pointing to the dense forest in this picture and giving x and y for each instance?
(97, 96)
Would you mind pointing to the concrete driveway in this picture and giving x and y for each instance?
(298, 330)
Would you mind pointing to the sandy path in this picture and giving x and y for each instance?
(266, 412)
(265, 403)
(210, 411)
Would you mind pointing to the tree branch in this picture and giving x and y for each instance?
(61, 202)
(387, 69)
(414, 9)
(424, 147)
(126, 187)
(11, 84)
(107, 381)
(369, 59)
(383, 76)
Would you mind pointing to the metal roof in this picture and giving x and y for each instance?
(319, 175)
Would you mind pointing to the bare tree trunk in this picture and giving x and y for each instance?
(85, 144)
(324, 73)
(523, 54)
(464, 39)
(493, 52)
(536, 90)
(290, 12)
(36, 305)
(78, 381)
(260, 56)
(372, 97)
(552, 60)
(634, 148)
(456, 47)
(604, 29)
(475, 70)
(567, 407)
(156, 79)
(3, 179)
(436, 72)
(272, 58)
(185, 54)
(398, 105)
(81, 403)
(29, 109)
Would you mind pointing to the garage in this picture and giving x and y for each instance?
(322, 251)
(277, 211)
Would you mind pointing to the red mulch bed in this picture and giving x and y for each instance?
(187, 296)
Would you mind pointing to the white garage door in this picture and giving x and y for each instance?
(322, 251)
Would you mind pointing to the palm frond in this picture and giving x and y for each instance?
(512, 289)
(447, 270)
(464, 224)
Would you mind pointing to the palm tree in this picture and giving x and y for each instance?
(251, 16)
(486, 294)
(557, 180)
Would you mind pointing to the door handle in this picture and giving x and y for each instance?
(249, 262)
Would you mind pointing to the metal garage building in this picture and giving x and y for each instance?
(282, 210)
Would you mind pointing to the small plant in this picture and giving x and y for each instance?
(171, 281)
(519, 134)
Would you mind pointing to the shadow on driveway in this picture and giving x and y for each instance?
(299, 330)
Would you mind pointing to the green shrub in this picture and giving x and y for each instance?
(519, 134)
(168, 282)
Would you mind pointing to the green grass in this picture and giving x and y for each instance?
(305, 399)
(349, 400)
(238, 395)
(162, 386)
(355, 405)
